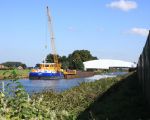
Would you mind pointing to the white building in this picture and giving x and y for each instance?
(107, 63)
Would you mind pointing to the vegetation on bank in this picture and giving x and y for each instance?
(77, 102)
(99, 72)
(122, 101)
(50, 105)
(9, 74)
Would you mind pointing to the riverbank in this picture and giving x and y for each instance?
(20, 74)
(11, 74)
(100, 72)
(112, 98)
(77, 99)
(59, 85)
(118, 98)
(124, 100)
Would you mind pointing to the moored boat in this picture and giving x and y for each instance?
(47, 71)
(50, 70)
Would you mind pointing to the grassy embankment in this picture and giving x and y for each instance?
(117, 98)
(122, 101)
(8, 74)
(109, 71)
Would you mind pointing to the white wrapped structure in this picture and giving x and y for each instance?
(107, 63)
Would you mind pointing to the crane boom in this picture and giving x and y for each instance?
(52, 37)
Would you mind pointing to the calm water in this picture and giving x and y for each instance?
(60, 85)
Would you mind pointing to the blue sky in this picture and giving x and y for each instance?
(110, 29)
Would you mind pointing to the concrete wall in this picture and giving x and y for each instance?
(144, 69)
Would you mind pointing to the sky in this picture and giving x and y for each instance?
(109, 29)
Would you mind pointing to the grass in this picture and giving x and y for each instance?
(109, 71)
(123, 101)
(117, 98)
(78, 98)
(7, 74)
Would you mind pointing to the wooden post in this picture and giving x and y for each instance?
(3, 86)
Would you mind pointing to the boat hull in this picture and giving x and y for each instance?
(46, 76)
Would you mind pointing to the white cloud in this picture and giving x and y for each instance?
(124, 5)
(139, 31)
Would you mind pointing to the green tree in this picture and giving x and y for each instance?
(24, 66)
(77, 58)
(64, 61)
(84, 55)
(74, 60)
(50, 58)
(14, 64)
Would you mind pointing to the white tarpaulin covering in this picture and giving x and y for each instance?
(107, 63)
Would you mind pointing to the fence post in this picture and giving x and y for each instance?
(3, 86)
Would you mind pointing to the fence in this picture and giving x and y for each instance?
(144, 69)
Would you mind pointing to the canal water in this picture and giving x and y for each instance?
(59, 85)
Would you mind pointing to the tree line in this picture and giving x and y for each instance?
(74, 60)
(12, 65)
